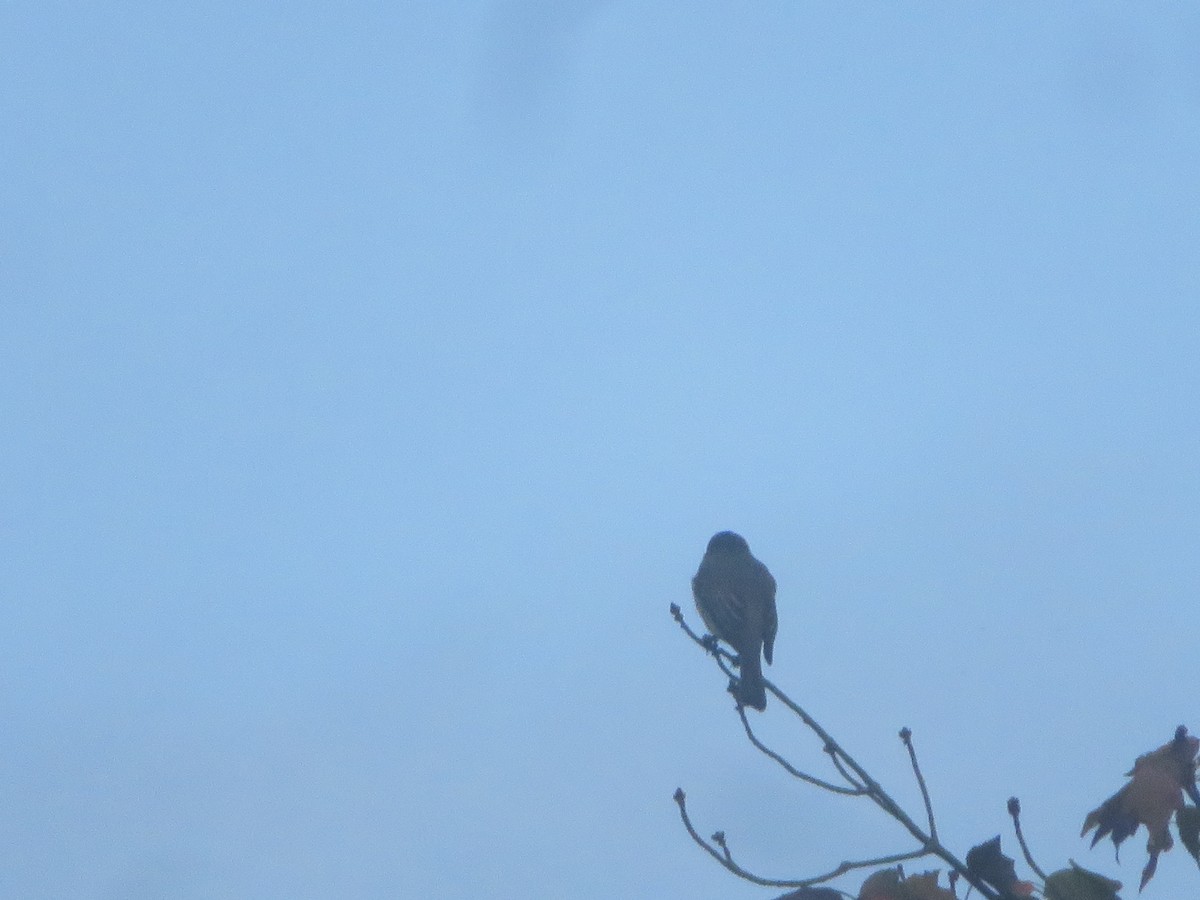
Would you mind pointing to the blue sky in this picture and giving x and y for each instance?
(374, 378)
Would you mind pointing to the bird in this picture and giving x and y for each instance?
(735, 596)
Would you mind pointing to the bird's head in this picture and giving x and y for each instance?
(727, 542)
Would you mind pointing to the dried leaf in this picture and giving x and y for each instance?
(1187, 820)
(890, 884)
(882, 885)
(1077, 883)
(1111, 817)
(987, 863)
(1149, 870)
(1154, 794)
(925, 887)
(813, 893)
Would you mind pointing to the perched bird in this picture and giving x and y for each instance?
(735, 595)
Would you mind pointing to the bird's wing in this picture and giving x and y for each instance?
(724, 611)
(770, 621)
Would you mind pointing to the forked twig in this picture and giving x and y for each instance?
(792, 770)
(725, 857)
(837, 763)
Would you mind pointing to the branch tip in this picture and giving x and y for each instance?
(1014, 810)
(906, 736)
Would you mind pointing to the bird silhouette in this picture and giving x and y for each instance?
(735, 595)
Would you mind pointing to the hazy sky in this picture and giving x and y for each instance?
(374, 376)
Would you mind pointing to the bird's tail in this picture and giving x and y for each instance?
(750, 689)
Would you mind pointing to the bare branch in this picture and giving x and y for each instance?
(884, 800)
(724, 659)
(725, 857)
(906, 736)
(1014, 810)
(709, 646)
(851, 865)
(864, 785)
(792, 770)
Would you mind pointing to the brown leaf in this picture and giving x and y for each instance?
(1077, 883)
(986, 862)
(1187, 820)
(882, 885)
(925, 887)
(890, 884)
(1153, 795)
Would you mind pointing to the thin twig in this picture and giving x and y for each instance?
(906, 736)
(716, 650)
(1014, 810)
(792, 770)
(837, 763)
(725, 858)
(724, 659)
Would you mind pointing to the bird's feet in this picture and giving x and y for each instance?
(709, 643)
(734, 688)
